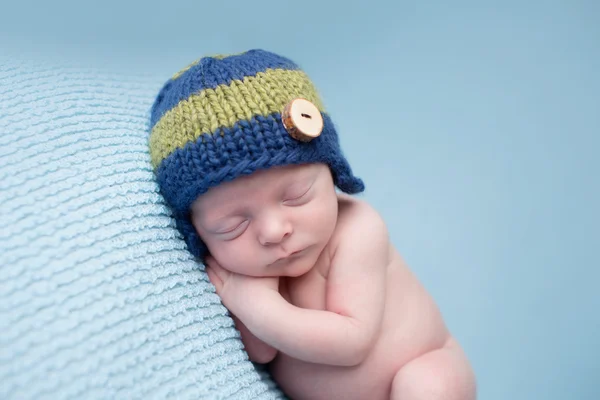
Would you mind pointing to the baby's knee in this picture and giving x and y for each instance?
(410, 385)
(444, 374)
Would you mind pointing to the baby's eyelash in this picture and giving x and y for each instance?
(232, 229)
(297, 197)
(304, 193)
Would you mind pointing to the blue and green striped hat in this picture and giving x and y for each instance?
(221, 117)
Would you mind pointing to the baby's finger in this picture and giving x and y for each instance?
(214, 278)
(211, 262)
(222, 272)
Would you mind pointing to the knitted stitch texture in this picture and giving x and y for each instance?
(99, 298)
(220, 118)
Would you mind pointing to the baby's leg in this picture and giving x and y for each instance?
(443, 374)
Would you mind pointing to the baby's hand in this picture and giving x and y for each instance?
(238, 291)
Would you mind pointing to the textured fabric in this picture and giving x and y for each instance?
(222, 70)
(225, 107)
(221, 118)
(99, 297)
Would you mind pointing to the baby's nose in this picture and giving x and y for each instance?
(274, 230)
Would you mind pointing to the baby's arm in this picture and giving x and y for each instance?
(258, 351)
(346, 332)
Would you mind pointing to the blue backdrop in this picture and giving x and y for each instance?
(475, 127)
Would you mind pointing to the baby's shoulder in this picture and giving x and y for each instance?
(357, 217)
(360, 236)
(353, 209)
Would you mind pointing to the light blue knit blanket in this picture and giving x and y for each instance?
(99, 298)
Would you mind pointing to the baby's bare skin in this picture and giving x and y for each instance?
(413, 343)
(343, 319)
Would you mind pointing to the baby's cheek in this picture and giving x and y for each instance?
(234, 256)
(322, 215)
(218, 251)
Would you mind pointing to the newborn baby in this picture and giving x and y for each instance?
(249, 161)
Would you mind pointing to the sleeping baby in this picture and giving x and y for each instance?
(250, 163)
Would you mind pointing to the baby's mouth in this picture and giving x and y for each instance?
(288, 257)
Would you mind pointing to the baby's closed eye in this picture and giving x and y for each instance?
(298, 195)
(232, 229)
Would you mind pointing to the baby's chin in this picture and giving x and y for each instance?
(294, 272)
(286, 274)
(294, 269)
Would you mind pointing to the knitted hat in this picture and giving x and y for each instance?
(221, 118)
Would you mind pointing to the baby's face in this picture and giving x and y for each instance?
(274, 222)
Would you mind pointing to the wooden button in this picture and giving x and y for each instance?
(302, 119)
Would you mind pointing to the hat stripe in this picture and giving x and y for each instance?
(210, 72)
(186, 68)
(195, 62)
(206, 112)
